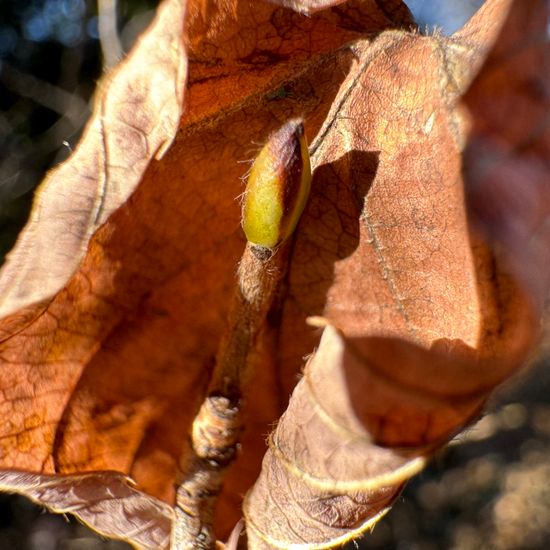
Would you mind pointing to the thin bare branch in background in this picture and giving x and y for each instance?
(43, 93)
(111, 47)
(73, 110)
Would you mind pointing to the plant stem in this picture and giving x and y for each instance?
(216, 429)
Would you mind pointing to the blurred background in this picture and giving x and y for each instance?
(490, 489)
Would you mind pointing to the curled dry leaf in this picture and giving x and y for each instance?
(105, 501)
(403, 401)
(129, 126)
(395, 10)
(506, 161)
(105, 367)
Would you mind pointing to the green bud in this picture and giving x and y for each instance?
(278, 187)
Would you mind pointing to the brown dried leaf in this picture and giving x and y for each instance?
(109, 374)
(105, 501)
(129, 126)
(93, 380)
(506, 160)
(395, 10)
(389, 400)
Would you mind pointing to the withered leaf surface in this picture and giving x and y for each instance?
(371, 407)
(104, 368)
(136, 115)
(105, 501)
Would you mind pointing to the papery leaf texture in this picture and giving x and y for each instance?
(420, 259)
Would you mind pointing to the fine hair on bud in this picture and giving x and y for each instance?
(278, 187)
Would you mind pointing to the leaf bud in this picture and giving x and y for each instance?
(278, 187)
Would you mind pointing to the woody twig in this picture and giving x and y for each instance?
(276, 194)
